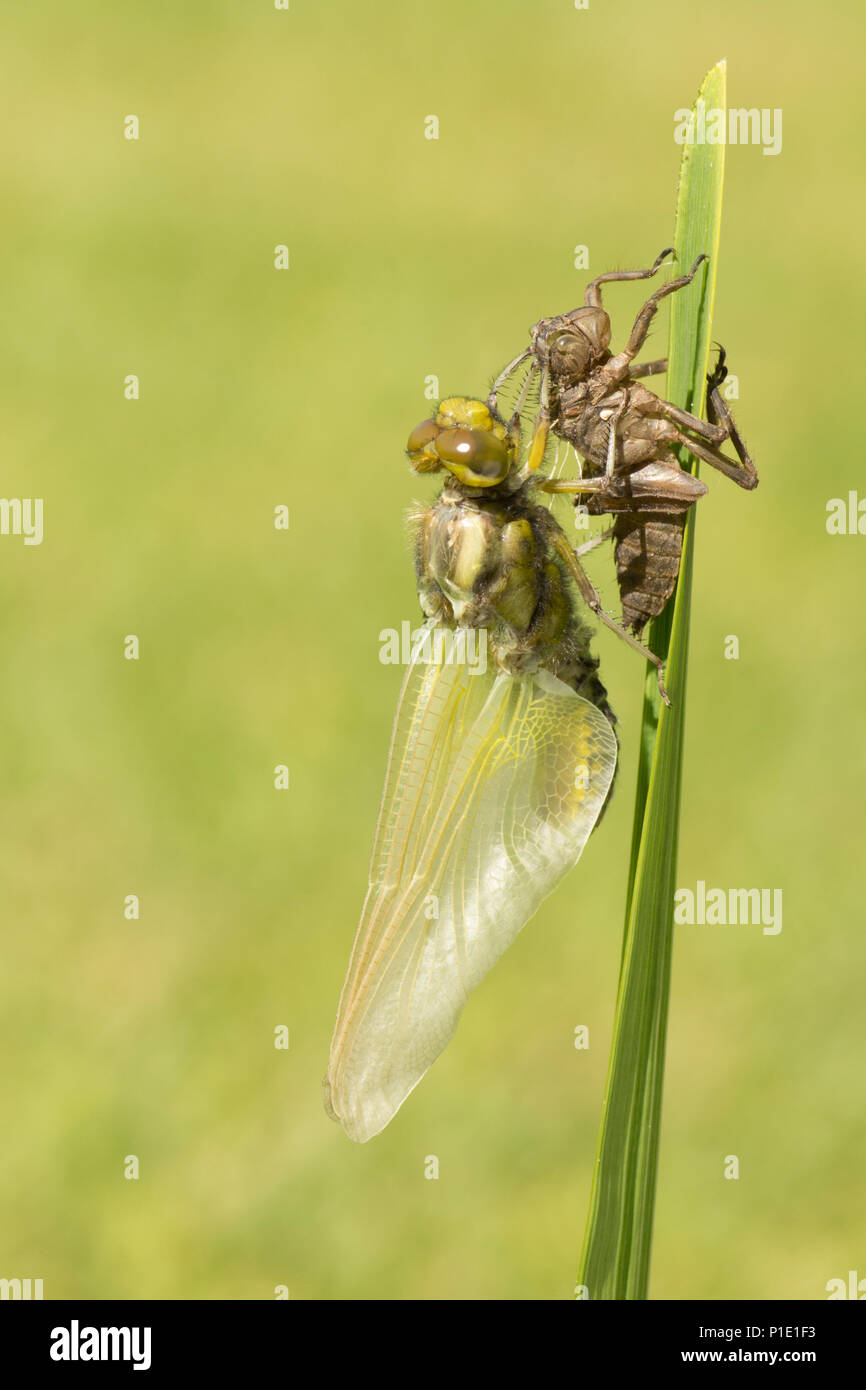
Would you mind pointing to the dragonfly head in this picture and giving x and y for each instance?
(574, 342)
(467, 439)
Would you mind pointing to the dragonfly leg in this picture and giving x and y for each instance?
(514, 424)
(654, 368)
(618, 366)
(504, 375)
(591, 597)
(743, 473)
(541, 428)
(593, 289)
(596, 541)
(714, 434)
(610, 462)
(717, 409)
(574, 485)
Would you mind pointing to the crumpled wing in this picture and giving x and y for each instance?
(494, 784)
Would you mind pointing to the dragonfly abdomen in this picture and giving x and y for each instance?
(648, 553)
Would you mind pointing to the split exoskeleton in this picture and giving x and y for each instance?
(626, 438)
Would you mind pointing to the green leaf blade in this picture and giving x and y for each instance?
(616, 1256)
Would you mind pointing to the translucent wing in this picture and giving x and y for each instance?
(494, 784)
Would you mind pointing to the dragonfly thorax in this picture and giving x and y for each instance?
(485, 563)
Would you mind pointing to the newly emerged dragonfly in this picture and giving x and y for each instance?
(626, 437)
(495, 779)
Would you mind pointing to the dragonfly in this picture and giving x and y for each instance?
(495, 777)
(626, 437)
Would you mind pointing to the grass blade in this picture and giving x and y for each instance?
(616, 1254)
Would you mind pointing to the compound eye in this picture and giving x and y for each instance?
(475, 456)
(421, 436)
(570, 353)
(595, 325)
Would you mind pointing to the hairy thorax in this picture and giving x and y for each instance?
(485, 562)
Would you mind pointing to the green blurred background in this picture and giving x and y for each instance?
(409, 257)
